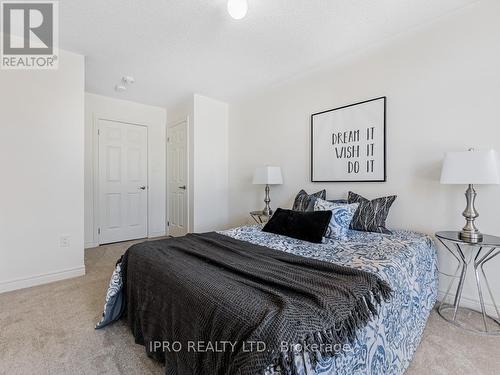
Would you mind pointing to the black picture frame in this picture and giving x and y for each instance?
(384, 98)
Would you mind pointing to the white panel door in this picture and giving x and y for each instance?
(123, 196)
(177, 171)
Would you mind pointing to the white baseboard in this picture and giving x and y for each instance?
(8, 286)
(157, 234)
(470, 303)
(89, 245)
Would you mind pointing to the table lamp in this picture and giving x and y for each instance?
(267, 176)
(470, 168)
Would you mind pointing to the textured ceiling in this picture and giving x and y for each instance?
(177, 47)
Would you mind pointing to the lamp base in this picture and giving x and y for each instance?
(469, 232)
(267, 209)
(472, 237)
(267, 212)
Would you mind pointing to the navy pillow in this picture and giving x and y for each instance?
(306, 226)
(338, 201)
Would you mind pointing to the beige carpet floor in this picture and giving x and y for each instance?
(50, 330)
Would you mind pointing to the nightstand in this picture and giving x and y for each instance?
(479, 254)
(260, 217)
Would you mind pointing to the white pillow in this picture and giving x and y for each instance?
(342, 214)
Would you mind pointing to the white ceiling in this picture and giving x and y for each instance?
(176, 47)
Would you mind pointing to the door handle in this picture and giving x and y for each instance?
(182, 187)
(142, 187)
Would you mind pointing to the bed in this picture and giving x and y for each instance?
(405, 260)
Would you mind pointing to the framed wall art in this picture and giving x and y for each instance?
(348, 143)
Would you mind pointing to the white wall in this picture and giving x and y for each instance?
(210, 154)
(208, 161)
(443, 89)
(41, 160)
(96, 107)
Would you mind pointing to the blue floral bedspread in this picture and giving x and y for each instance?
(406, 260)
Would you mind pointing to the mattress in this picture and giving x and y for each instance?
(406, 260)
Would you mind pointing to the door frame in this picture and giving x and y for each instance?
(188, 173)
(95, 172)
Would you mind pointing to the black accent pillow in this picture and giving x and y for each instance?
(305, 202)
(371, 214)
(307, 226)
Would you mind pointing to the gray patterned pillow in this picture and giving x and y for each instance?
(305, 202)
(371, 215)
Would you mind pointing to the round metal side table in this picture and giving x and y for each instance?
(260, 217)
(484, 251)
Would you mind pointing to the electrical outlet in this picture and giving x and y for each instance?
(64, 241)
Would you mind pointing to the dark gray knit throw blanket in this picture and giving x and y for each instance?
(213, 289)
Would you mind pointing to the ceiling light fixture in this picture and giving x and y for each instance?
(237, 8)
(122, 86)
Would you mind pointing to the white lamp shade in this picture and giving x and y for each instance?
(267, 176)
(470, 167)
